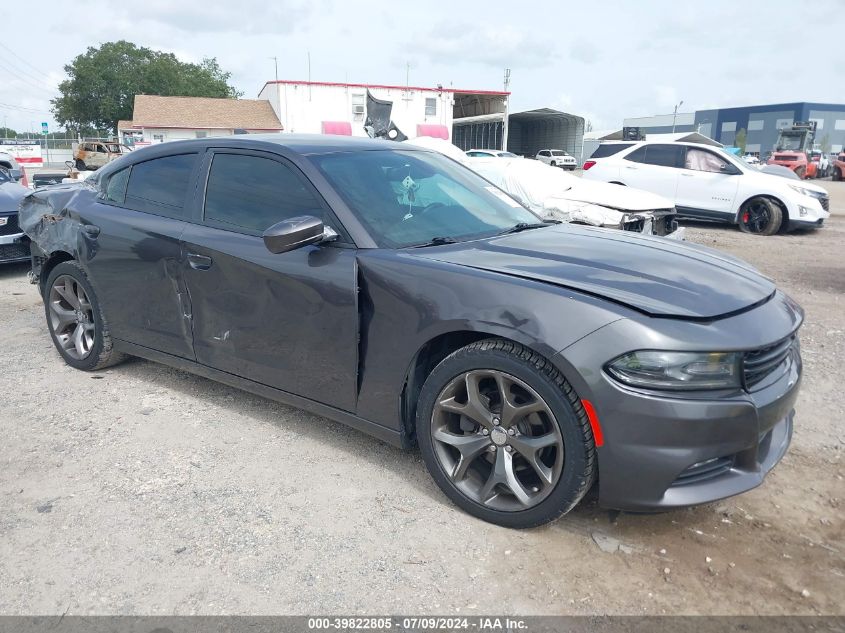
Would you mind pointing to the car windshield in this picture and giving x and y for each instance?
(409, 198)
(507, 155)
(557, 152)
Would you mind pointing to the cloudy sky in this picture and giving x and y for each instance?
(604, 60)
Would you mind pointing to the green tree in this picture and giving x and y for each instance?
(741, 140)
(102, 83)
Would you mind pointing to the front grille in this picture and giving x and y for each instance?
(11, 226)
(703, 471)
(9, 252)
(825, 203)
(760, 363)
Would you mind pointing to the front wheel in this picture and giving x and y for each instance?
(837, 174)
(760, 216)
(504, 435)
(75, 320)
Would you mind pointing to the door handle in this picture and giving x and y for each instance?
(686, 175)
(199, 262)
(630, 167)
(91, 230)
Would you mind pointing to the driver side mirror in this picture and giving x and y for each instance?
(730, 170)
(297, 232)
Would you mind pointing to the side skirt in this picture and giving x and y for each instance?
(706, 214)
(391, 436)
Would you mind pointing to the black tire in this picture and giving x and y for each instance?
(801, 173)
(760, 216)
(837, 174)
(579, 468)
(102, 353)
(80, 164)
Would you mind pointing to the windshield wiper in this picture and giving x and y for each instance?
(436, 241)
(526, 226)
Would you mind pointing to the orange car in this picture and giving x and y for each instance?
(796, 161)
(839, 167)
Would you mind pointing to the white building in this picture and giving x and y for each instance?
(158, 119)
(316, 107)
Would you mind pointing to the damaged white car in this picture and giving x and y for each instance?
(551, 193)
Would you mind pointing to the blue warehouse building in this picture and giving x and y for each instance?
(761, 123)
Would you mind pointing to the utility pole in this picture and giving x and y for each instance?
(675, 115)
(309, 75)
(507, 109)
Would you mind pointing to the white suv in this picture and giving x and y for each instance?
(557, 158)
(708, 183)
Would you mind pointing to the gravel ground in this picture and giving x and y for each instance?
(145, 490)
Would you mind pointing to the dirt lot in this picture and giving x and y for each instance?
(144, 490)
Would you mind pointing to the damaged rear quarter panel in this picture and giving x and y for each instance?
(413, 300)
(46, 217)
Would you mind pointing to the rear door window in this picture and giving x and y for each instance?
(659, 155)
(161, 185)
(249, 194)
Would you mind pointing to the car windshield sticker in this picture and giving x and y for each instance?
(501, 195)
(410, 186)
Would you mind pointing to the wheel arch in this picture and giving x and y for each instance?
(49, 263)
(428, 356)
(773, 198)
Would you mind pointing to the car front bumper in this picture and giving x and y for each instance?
(14, 248)
(669, 450)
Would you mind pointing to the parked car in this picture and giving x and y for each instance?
(707, 183)
(751, 159)
(838, 168)
(14, 168)
(397, 291)
(822, 164)
(797, 161)
(95, 154)
(555, 195)
(490, 153)
(557, 158)
(14, 244)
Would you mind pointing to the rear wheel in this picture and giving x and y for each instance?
(837, 173)
(75, 320)
(504, 435)
(760, 216)
(80, 164)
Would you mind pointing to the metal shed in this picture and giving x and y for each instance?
(533, 130)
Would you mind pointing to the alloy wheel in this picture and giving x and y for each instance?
(756, 216)
(497, 440)
(71, 317)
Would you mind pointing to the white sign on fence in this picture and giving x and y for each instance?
(27, 153)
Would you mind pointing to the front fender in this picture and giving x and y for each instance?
(407, 302)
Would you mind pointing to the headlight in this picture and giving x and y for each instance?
(807, 192)
(678, 370)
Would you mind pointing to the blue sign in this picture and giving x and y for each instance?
(44, 127)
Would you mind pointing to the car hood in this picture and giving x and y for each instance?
(11, 194)
(617, 196)
(656, 276)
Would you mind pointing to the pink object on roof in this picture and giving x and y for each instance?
(341, 128)
(434, 131)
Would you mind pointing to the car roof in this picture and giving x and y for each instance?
(302, 144)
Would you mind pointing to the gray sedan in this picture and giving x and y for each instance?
(397, 291)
